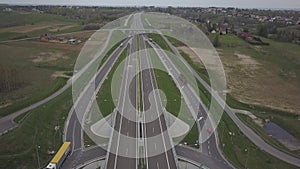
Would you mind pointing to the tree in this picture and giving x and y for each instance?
(262, 31)
(216, 41)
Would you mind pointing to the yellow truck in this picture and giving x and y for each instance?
(60, 156)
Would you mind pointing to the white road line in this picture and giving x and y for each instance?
(152, 83)
(122, 109)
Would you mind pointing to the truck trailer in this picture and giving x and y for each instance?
(60, 156)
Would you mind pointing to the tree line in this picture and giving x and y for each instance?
(10, 79)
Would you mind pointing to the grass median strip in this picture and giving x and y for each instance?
(173, 98)
(105, 100)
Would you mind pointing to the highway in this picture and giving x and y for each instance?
(73, 130)
(127, 119)
(159, 151)
(164, 160)
(123, 145)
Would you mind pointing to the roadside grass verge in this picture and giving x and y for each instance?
(104, 96)
(241, 152)
(37, 129)
(160, 41)
(260, 131)
(286, 120)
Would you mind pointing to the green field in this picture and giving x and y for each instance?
(34, 70)
(281, 54)
(18, 25)
(37, 129)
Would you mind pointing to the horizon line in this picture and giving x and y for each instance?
(139, 6)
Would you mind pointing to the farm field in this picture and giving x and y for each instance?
(32, 70)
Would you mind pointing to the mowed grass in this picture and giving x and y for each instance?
(18, 147)
(260, 131)
(160, 41)
(241, 152)
(104, 96)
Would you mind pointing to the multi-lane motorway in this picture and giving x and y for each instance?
(123, 145)
(154, 124)
(158, 144)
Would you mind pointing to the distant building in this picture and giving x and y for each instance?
(246, 35)
(7, 10)
(46, 37)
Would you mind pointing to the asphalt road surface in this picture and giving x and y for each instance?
(159, 151)
(73, 130)
(123, 145)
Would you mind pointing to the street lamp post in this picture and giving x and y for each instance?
(37, 154)
(248, 151)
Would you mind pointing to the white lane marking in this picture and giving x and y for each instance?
(122, 109)
(155, 146)
(153, 129)
(157, 165)
(156, 104)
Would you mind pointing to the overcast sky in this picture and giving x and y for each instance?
(195, 3)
